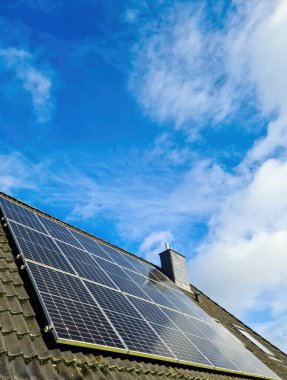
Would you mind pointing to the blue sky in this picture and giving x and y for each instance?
(147, 122)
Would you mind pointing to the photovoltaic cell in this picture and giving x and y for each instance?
(157, 276)
(143, 268)
(180, 345)
(184, 303)
(157, 296)
(152, 312)
(91, 245)
(59, 232)
(93, 273)
(242, 358)
(60, 284)
(118, 257)
(93, 294)
(182, 322)
(77, 321)
(73, 253)
(210, 351)
(33, 236)
(38, 247)
(134, 262)
(214, 333)
(138, 335)
(112, 300)
(111, 268)
(130, 287)
(137, 278)
(179, 304)
(23, 217)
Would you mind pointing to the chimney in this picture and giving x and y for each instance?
(173, 264)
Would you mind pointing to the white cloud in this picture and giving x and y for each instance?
(143, 202)
(15, 173)
(257, 51)
(165, 147)
(154, 243)
(43, 5)
(191, 74)
(131, 15)
(34, 81)
(177, 71)
(246, 252)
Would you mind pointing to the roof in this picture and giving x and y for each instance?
(27, 352)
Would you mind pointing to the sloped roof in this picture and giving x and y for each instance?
(26, 352)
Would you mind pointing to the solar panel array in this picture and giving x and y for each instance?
(95, 295)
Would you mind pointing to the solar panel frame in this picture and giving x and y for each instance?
(73, 253)
(181, 346)
(65, 319)
(152, 312)
(24, 219)
(152, 281)
(92, 246)
(130, 287)
(112, 299)
(119, 258)
(88, 272)
(143, 339)
(88, 298)
(59, 232)
(52, 257)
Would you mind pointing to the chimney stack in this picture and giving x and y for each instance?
(173, 265)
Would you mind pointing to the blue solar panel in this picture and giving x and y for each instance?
(96, 295)
(59, 232)
(39, 247)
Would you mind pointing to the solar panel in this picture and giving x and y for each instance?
(39, 247)
(97, 296)
(210, 351)
(182, 348)
(74, 312)
(112, 300)
(151, 312)
(21, 215)
(59, 232)
(129, 287)
(139, 336)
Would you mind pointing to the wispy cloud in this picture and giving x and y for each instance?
(131, 15)
(179, 72)
(154, 243)
(15, 173)
(42, 5)
(189, 72)
(139, 205)
(143, 203)
(37, 83)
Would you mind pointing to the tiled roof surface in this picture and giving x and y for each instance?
(28, 353)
